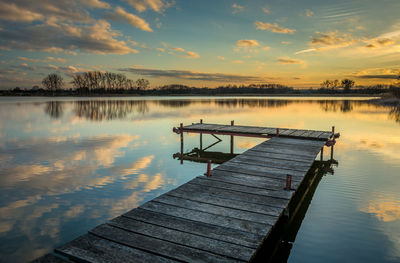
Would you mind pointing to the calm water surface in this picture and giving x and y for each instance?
(67, 165)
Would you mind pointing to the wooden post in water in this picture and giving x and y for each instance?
(209, 168)
(277, 131)
(181, 132)
(333, 132)
(288, 182)
(322, 153)
(232, 146)
(201, 137)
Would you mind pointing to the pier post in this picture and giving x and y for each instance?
(333, 132)
(277, 131)
(232, 146)
(201, 137)
(288, 182)
(209, 168)
(181, 132)
(322, 153)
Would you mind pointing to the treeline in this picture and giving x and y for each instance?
(107, 82)
(102, 83)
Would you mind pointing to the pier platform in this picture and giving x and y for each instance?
(224, 216)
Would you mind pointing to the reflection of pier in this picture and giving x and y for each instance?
(232, 215)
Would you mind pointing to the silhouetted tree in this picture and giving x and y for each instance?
(347, 84)
(53, 82)
(142, 84)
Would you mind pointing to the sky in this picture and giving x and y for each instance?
(201, 43)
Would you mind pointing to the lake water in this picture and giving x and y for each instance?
(67, 165)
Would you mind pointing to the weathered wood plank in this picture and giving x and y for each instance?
(270, 174)
(261, 170)
(283, 151)
(242, 188)
(289, 146)
(252, 180)
(267, 130)
(288, 140)
(225, 234)
(286, 150)
(272, 165)
(217, 210)
(325, 135)
(239, 196)
(205, 197)
(281, 156)
(217, 220)
(49, 258)
(91, 248)
(186, 239)
(290, 164)
(157, 246)
(286, 131)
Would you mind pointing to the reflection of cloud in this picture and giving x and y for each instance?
(385, 210)
(138, 165)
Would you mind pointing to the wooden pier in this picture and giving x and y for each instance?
(223, 217)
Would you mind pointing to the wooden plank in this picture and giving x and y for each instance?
(295, 165)
(283, 145)
(217, 220)
(292, 152)
(252, 180)
(217, 210)
(90, 248)
(294, 141)
(234, 195)
(229, 235)
(246, 170)
(325, 135)
(280, 156)
(315, 134)
(268, 130)
(49, 258)
(298, 133)
(220, 201)
(260, 169)
(186, 239)
(286, 131)
(271, 164)
(287, 150)
(156, 246)
(242, 188)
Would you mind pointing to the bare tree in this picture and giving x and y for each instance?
(347, 84)
(53, 82)
(142, 84)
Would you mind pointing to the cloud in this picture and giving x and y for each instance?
(388, 76)
(266, 10)
(220, 58)
(237, 61)
(95, 4)
(333, 39)
(61, 60)
(287, 60)
(181, 52)
(192, 75)
(274, 28)
(306, 51)
(286, 42)
(377, 73)
(120, 13)
(380, 42)
(237, 8)
(247, 43)
(12, 12)
(158, 6)
(34, 60)
(309, 13)
(93, 38)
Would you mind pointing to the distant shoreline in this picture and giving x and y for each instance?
(350, 95)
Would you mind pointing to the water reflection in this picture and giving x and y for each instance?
(100, 110)
(54, 109)
(68, 165)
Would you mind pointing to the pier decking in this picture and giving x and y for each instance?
(224, 217)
